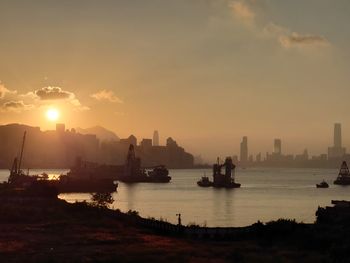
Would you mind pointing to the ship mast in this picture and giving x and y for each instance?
(21, 157)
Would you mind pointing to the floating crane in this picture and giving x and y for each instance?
(220, 180)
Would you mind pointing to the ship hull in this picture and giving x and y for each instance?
(144, 179)
(342, 182)
(85, 186)
(201, 184)
(229, 186)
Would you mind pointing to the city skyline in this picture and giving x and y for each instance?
(244, 155)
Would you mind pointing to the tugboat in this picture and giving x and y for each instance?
(343, 176)
(221, 180)
(205, 182)
(323, 184)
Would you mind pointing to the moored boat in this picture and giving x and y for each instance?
(323, 184)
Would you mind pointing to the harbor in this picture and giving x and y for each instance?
(265, 194)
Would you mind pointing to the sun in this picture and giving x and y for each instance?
(52, 114)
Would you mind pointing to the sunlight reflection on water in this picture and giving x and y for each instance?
(266, 194)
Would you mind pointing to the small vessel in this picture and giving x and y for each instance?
(205, 182)
(323, 184)
(344, 175)
(220, 180)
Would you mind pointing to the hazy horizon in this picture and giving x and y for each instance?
(205, 72)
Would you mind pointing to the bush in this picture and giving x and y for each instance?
(102, 200)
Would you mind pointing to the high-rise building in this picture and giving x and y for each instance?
(337, 135)
(244, 150)
(258, 157)
(155, 138)
(277, 147)
(60, 127)
(146, 143)
(337, 151)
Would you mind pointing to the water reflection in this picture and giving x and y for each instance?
(266, 194)
(130, 190)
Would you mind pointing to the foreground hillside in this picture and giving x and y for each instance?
(55, 231)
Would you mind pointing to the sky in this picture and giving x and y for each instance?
(205, 72)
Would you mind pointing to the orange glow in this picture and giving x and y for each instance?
(52, 114)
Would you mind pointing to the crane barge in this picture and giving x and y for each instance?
(220, 180)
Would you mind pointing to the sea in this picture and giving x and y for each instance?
(266, 194)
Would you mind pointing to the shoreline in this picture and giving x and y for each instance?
(41, 230)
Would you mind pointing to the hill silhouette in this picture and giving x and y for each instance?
(101, 133)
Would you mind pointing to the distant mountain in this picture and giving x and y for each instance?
(102, 133)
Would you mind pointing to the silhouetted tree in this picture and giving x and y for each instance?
(102, 200)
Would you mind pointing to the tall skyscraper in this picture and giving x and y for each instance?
(244, 150)
(337, 135)
(337, 151)
(60, 127)
(277, 147)
(155, 138)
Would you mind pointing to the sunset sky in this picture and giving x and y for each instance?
(204, 72)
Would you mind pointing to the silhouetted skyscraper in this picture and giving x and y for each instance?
(155, 138)
(277, 147)
(244, 150)
(337, 151)
(337, 135)
(258, 157)
(60, 127)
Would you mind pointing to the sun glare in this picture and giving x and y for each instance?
(52, 114)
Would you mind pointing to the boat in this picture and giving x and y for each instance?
(343, 176)
(323, 184)
(24, 185)
(69, 183)
(159, 174)
(205, 182)
(130, 172)
(133, 173)
(220, 180)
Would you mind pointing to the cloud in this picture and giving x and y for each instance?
(272, 29)
(56, 93)
(16, 106)
(38, 98)
(106, 95)
(287, 39)
(53, 93)
(243, 12)
(4, 91)
(78, 106)
(297, 40)
(29, 95)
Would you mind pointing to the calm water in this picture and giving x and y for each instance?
(266, 194)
